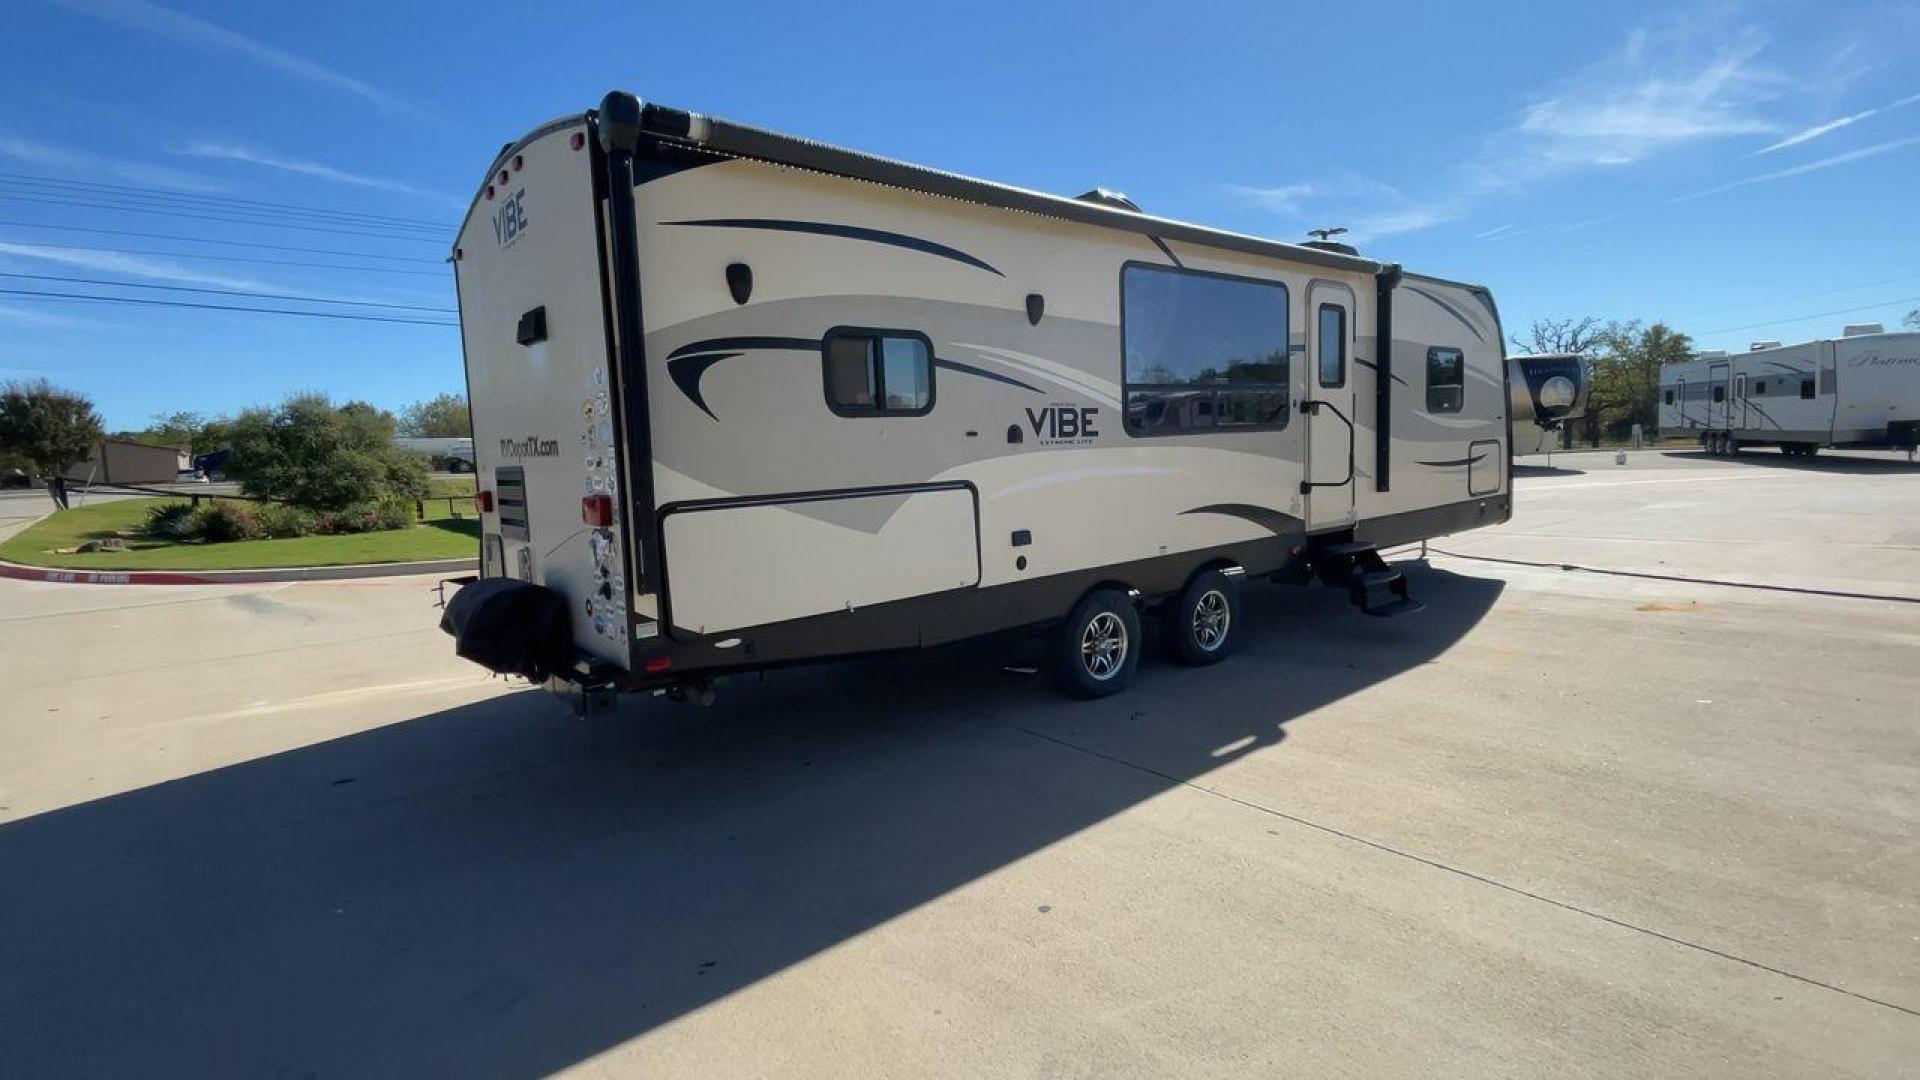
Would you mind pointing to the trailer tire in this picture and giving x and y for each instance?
(1199, 622)
(1097, 647)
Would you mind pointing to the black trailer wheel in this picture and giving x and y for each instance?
(1097, 648)
(1200, 622)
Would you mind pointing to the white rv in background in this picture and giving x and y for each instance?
(1549, 391)
(1860, 390)
(741, 399)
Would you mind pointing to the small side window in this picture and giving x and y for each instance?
(1760, 388)
(1806, 389)
(1667, 397)
(1446, 380)
(1719, 393)
(878, 372)
(1333, 345)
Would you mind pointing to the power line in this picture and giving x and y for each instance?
(341, 315)
(227, 292)
(1816, 315)
(226, 220)
(127, 201)
(224, 243)
(231, 258)
(155, 192)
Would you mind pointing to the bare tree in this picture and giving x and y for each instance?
(1581, 336)
(1913, 318)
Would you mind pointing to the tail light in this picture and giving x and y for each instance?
(597, 510)
(483, 500)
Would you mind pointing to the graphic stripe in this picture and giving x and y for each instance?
(846, 232)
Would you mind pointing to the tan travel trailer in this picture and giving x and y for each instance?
(742, 400)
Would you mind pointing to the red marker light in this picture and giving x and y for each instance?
(597, 510)
(518, 162)
(579, 140)
(489, 192)
(484, 500)
(504, 178)
(659, 664)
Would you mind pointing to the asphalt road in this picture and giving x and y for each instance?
(1620, 819)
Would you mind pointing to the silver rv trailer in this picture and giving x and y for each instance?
(1549, 390)
(1861, 390)
(741, 399)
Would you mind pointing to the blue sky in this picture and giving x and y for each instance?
(1714, 166)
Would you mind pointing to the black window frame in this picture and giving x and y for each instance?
(1434, 352)
(1320, 335)
(1807, 391)
(1666, 395)
(1719, 394)
(876, 334)
(1215, 402)
(1759, 388)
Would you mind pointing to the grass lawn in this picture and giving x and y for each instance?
(441, 486)
(438, 537)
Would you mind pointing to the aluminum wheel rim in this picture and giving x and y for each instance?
(1211, 618)
(1103, 646)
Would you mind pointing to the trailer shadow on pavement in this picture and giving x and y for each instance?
(1827, 461)
(501, 890)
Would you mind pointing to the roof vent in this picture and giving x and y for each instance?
(1759, 345)
(1102, 197)
(1859, 328)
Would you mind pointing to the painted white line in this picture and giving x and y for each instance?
(1583, 485)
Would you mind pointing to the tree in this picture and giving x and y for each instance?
(1582, 336)
(443, 417)
(187, 430)
(1626, 374)
(323, 457)
(50, 428)
(1913, 318)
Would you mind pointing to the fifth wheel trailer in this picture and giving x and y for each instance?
(742, 399)
(1859, 391)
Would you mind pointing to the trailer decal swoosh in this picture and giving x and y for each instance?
(1273, 521)
(1373, 367)
(1449, 309)
(847, 232)
(688, 364)
(1455, 463)
(982, 373)
(1167, 251)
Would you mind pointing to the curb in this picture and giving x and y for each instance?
(232, 577)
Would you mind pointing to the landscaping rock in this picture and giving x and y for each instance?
(111, 543)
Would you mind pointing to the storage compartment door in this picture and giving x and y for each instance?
(749, 562)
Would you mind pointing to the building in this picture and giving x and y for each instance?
(124, 461)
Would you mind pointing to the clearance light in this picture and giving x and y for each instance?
(597, 510)
(489, 192)
(659, 664)
(518, 162)
(483, 500)
(579, 140)
(504, 178)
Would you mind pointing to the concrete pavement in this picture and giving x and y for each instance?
(1563, 823)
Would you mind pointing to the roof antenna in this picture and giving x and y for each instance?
(1324, 240)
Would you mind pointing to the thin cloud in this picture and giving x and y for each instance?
(72, 162)
(1497, 230)
(1631, 105)
(187, 29)
(316, 169)
(1817, 130)
(1813, 166)
(138, 266)
(1368, 209)
(1288, 199)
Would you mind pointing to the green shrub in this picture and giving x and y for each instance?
(283, 522)
(394, 512)
(224, 523)
(327, 458)
(169, 521)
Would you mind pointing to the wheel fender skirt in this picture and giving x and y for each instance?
(511, 627)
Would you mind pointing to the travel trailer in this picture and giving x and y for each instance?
(1549, 391)
(1860, 390)
(742, 400)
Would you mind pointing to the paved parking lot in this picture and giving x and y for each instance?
(1593, 813)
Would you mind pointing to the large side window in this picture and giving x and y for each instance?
(1333, 345)
(1203, 352)
(1446, 380)
(878, 372)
